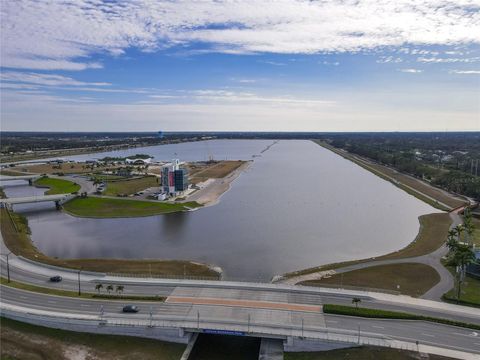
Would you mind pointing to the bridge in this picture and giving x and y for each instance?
(29, 178)
(58, 199)
(291, 315)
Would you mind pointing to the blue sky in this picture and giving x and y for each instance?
(285, 65)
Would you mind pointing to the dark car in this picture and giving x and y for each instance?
(130, 309)
(56, 278)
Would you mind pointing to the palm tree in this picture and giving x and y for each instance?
(452, 232)
(119, 289)
(452, 243)
(356, 301)
(469, 228)
(109, 288)
(463, 256)
(459, 230)
(98, 287)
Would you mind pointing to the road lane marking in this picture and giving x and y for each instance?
(378, 327)
(430, 335)
(23, 297)
(51, 301)
(244, 303)
(332, 321)
(85, 305)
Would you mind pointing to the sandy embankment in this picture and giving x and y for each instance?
(214, 188)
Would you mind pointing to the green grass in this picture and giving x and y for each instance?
(86, 295)
(25, 341)
(130, 186)
(57, 186)
(97, 207)
(385, 314)
(476, 233)
(470, 293)
(386, 277)
(359, 353)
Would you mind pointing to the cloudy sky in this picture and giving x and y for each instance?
(283, 65)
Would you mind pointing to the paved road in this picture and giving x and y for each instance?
(262, 318)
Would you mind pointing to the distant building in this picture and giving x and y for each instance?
(137, 161)
(160, 134)
(174, 179)
(181, 180)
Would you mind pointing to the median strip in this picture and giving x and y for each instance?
(244, 303)
(386, 314)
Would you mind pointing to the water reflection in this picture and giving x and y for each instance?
(297, 206)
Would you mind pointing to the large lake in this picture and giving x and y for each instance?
(298, 205)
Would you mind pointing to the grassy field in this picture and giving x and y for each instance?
(132, 186)
(403, 181)
(360, 353)
(57, 186)
(16, 236)
(201, 172)
(25, 341)
(470, 292)
(432, 234)
(387, 277)
(97, 207)
(476, 234)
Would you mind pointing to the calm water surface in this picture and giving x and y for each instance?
(297, 206)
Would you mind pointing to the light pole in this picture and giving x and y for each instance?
(8, 266)
(79, 288)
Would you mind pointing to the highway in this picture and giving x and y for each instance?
(259, 309)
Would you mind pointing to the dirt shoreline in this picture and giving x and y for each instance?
(211, 194)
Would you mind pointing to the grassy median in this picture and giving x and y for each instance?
(87, 292)
(25, 341)
(57, 186)
(396, 277)
(15, 234)
(387, 314)
(98, 207)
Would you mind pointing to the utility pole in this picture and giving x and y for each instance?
(8, 266)
(248, 327)
(151, 316)
(79, 288)
(198, 320)
(359, 333)
(302, 328)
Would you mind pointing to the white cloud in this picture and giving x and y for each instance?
(45, 79)
(448, 60)
(389, 59)
(467, 72)
(412, 71)
(63, 35)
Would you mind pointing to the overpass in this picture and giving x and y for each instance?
(29, 178)
(292, 314)
(58, 199)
